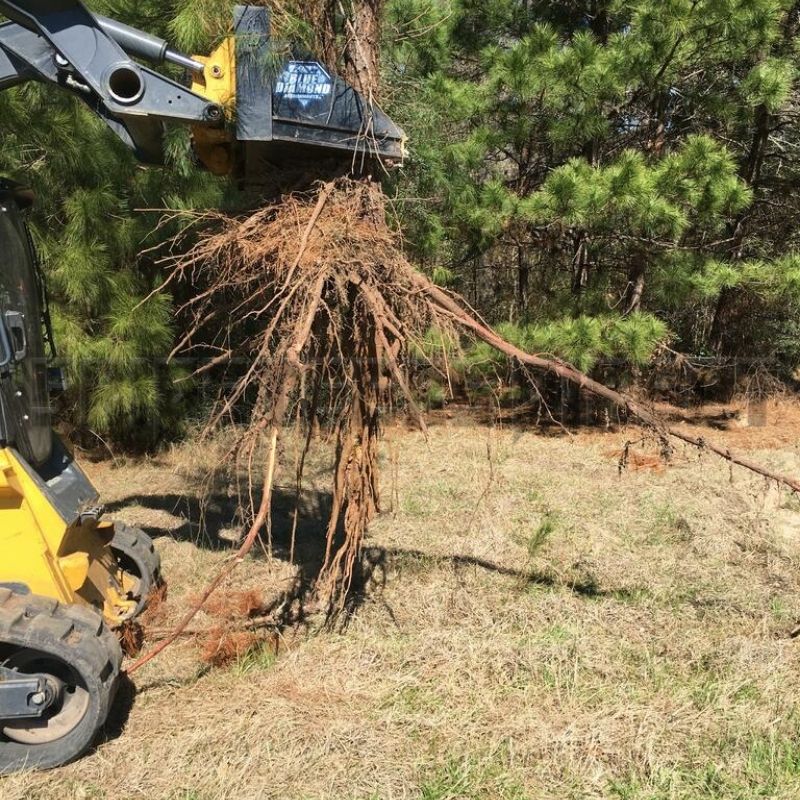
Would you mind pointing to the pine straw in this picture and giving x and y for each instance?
(310, 308)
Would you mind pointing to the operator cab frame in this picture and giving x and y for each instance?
(25, 419)
(25, 416)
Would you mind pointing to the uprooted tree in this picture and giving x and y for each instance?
(311, 306)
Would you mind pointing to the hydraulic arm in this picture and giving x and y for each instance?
(250, 101)
(63, 44)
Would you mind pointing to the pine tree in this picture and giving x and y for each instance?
(93, 242)
(600, 157)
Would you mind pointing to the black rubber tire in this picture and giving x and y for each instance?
(137, 555)
(75, 636)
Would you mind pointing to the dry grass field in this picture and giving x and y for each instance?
(532, 625)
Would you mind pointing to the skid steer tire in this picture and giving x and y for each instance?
(72, 643)
(137, 555)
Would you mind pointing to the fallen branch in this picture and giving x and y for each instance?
(564, 370)
(698, 441)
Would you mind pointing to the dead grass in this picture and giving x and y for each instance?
(575, 635)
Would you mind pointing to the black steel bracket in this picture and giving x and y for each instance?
(60, 42)
(23, 696)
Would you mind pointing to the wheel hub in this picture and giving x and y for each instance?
(66, 700)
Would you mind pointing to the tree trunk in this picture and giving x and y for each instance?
(323, 20)
(362, 53)
(523, 279)
(580, 266)
(599, 20)
(750, 173)
(751, 169)
(632, 299)
(359, 22)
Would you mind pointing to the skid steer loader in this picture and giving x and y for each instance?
(68, 576)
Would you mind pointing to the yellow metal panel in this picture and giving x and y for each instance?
(75, 568)
(218, 83)
(70, 563)
(31, 533)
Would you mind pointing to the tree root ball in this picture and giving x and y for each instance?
(309, 307)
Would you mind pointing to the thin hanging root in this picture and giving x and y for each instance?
(324, 297)
(258, 524)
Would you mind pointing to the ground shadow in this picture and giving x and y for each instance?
(200, 521)
(118, 714)
(378, 563)
(297, 539)
(302, 542)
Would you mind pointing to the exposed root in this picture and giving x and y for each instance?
(261, 518)
(131, 638)
(245, 604)
(223, 646)
(321, 306)
(320, 309)
(156, 603)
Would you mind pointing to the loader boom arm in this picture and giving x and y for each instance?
(247, 110)
(59, 42)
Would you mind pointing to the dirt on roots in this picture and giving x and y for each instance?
(315, 296)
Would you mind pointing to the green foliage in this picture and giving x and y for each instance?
(195, 26)
(771, 769)
(609, 175)
(91, 237)
(541, 536)
(696, 183)
(565, 153)
(769, 83)
(582, 341)
(472, 779)
(259, 658)
(435, 395)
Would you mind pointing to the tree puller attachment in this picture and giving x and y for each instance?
(68, 576)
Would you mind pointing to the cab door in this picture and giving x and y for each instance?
(23, 363)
